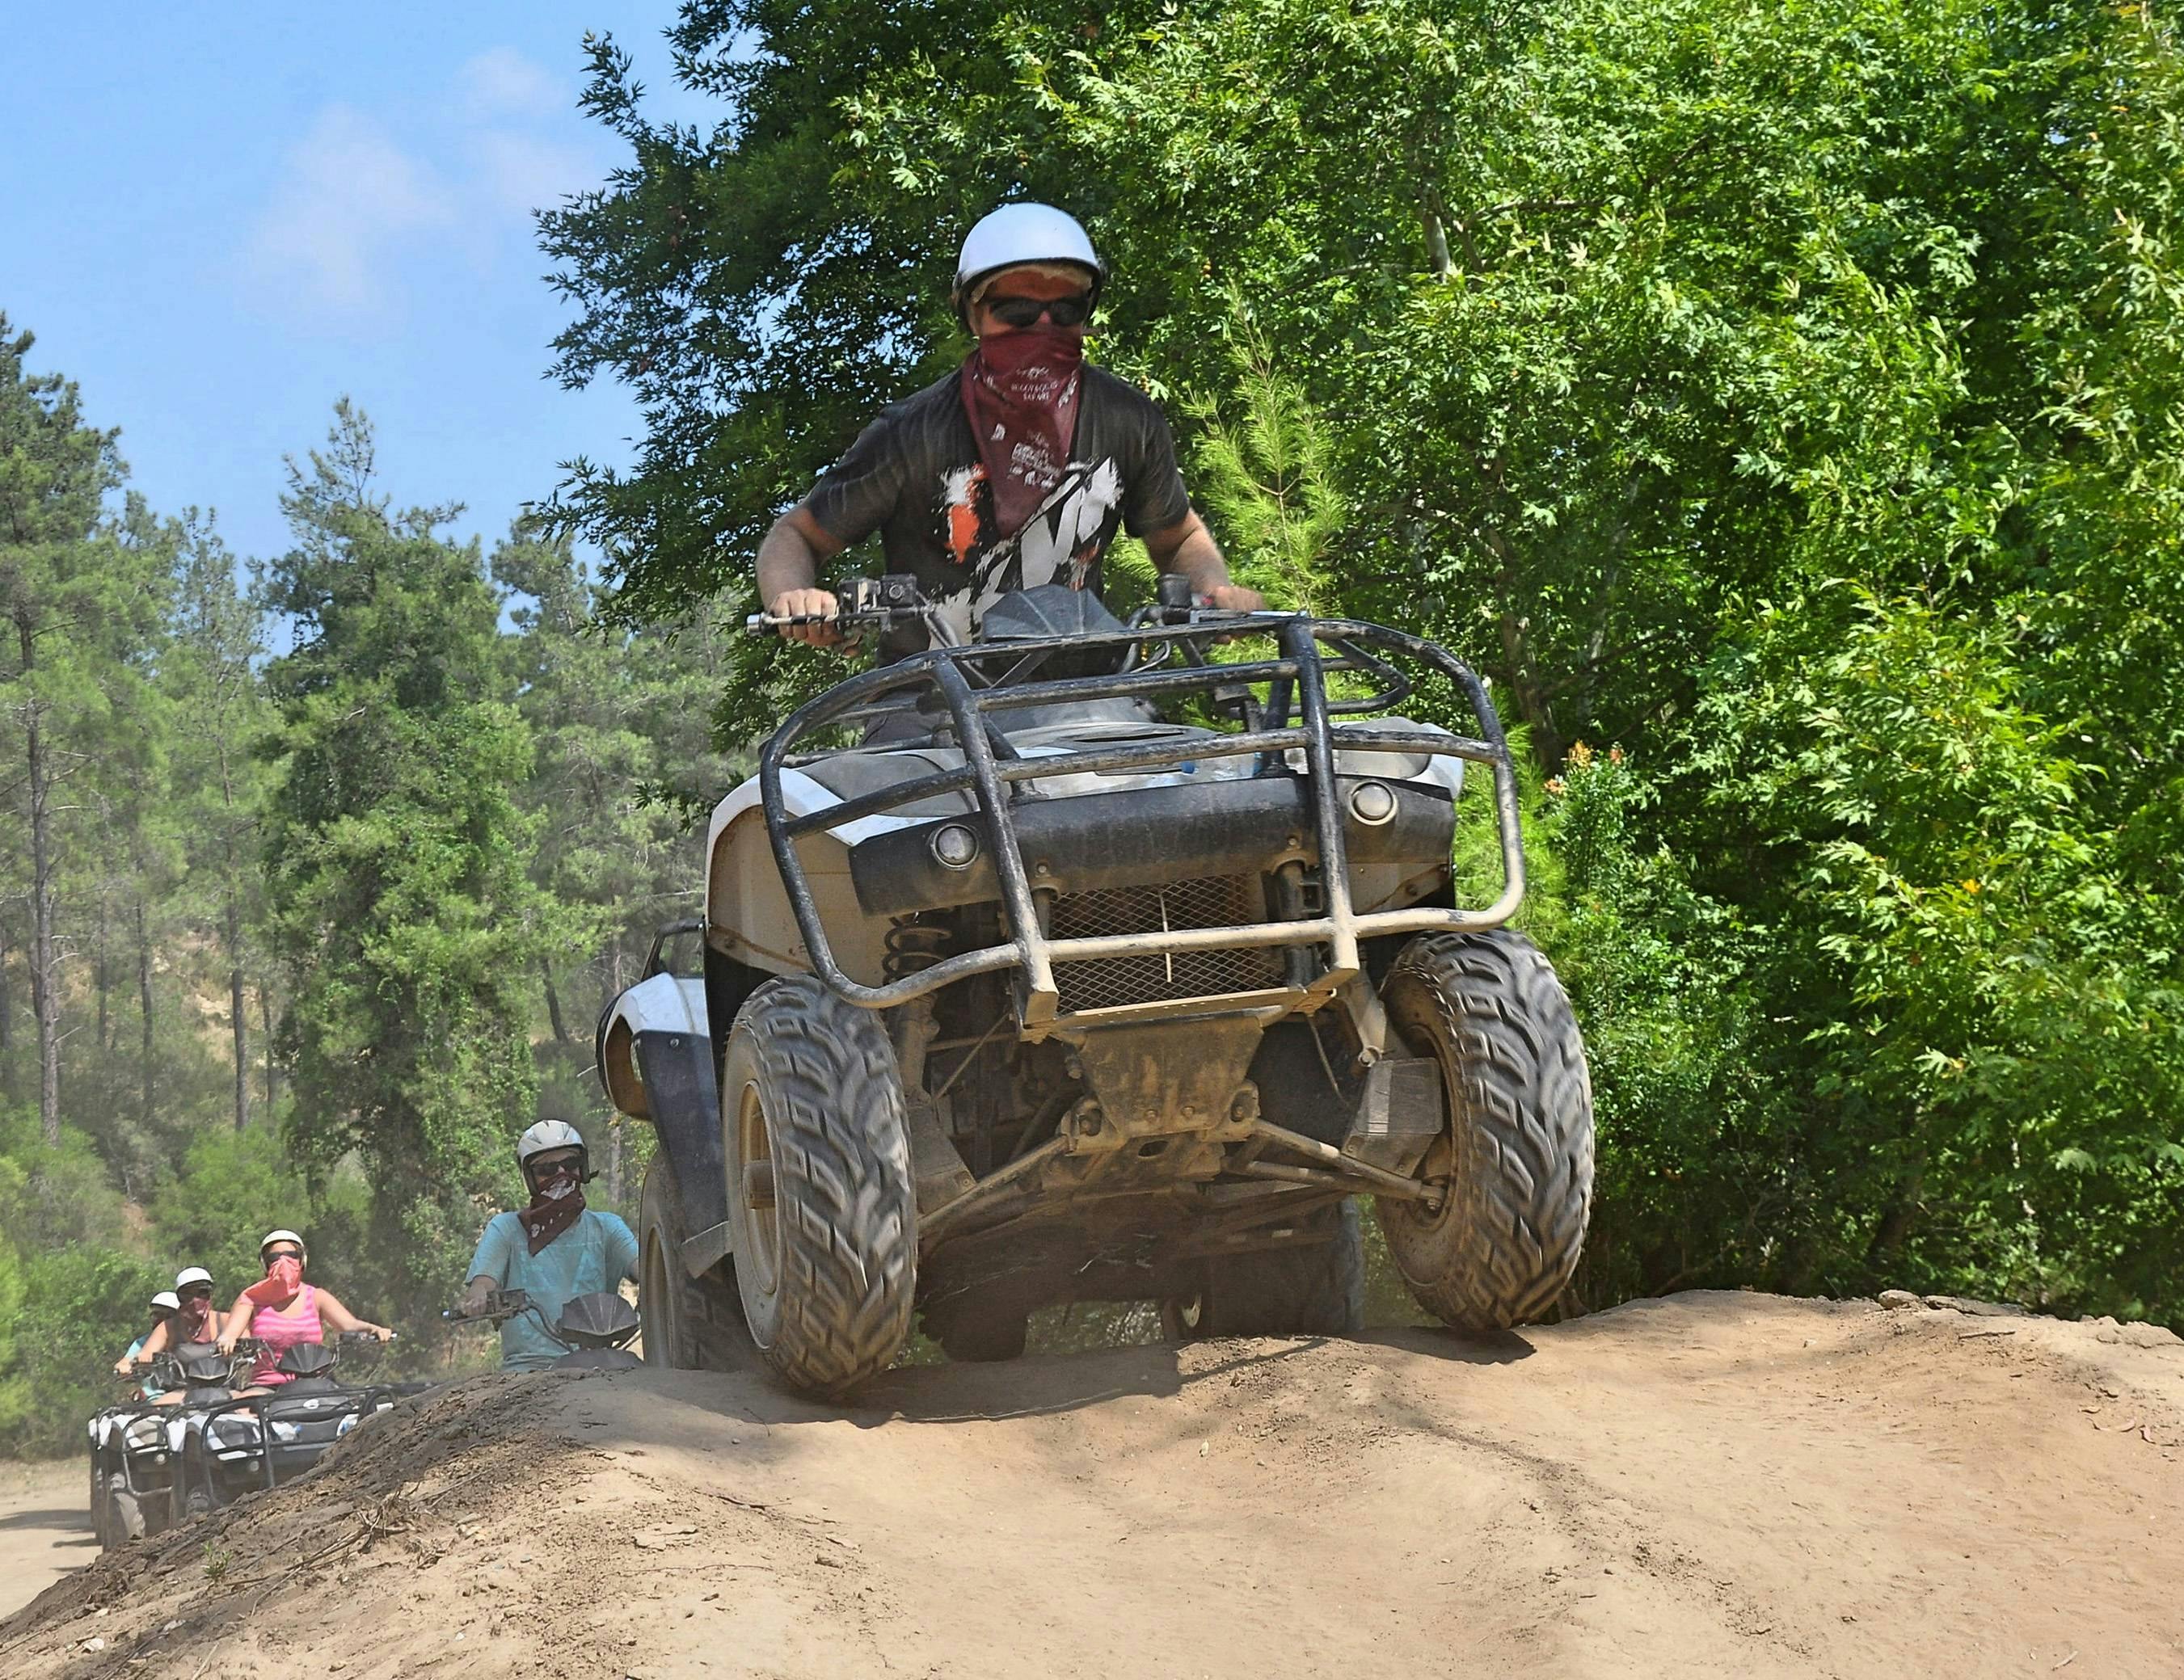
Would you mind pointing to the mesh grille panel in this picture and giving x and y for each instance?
(1213, 901)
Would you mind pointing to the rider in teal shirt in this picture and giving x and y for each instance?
(554, 1249)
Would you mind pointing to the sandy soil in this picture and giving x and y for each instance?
(45, 1531)
(1717, 1484)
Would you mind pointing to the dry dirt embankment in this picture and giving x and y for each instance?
(1711, 1485)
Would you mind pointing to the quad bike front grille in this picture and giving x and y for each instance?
(1160, 976)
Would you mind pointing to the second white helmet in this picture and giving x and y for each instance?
(1023, 233)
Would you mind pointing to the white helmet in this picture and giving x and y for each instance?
(167, 1301)
(1023, 233)
(552, 1134)
(272, 1237)
(197, 1274)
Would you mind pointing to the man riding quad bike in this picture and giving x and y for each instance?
(1061, 960)
(591, 1332)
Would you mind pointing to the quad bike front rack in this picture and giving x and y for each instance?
(976, 685)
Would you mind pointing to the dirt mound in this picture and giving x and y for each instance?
(1714, 1484)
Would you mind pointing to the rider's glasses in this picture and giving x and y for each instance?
(283, 1255)
(564, 1167)
(1022, 312)
(197, 1291)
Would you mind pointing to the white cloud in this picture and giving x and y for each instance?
(503, 82)
(520, 173)
(366, 200)
(349, 197)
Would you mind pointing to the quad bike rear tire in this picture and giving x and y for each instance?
(1505, 1242)
(822, 1209)
(1314, 1289)
(690, 1323)
(99, 1505)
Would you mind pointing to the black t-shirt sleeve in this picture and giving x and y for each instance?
(856, 495)
(1154, 498)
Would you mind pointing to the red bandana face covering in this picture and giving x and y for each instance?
(553, 1209)
(1020, 393)
(281, 1279)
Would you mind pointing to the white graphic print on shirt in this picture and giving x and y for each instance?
(1059, 544)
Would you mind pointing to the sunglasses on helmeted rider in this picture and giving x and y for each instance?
(197, 1291)
(1022, 312)
(283, 1255)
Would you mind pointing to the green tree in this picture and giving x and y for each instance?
(80, 595)
(398, 863)
(623, 776)
(221, 715)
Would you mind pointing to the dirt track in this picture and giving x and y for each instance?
(1711, 1485)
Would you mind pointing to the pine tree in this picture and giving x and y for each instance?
(397, 862)
(80, 596)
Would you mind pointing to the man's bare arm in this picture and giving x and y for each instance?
(1189, 547)
(788, 562)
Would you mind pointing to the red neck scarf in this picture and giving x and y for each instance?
(1020, 393)
(548, 1216)
(282, 1279)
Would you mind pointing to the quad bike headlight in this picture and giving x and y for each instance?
(955, 846)
(1372, 804)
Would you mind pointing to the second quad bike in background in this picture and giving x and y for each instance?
(235, 1445)
(1087, 961)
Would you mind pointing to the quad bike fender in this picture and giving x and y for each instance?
(747, 914)
(656, 1059)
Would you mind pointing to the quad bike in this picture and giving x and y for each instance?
(596, 1329)
(240, 1443)
(135, 1447)
(1012, 989)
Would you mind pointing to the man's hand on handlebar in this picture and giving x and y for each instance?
(816, 607)
(1234, 598)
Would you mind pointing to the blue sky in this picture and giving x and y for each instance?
(218, 220)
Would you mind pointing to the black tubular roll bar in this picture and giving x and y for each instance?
(992, 768)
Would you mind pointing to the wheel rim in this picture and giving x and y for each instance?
(760, 1266)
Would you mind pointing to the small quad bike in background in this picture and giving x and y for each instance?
(135, 1447)
(1087, 961)
(241, 1443)
(595, 1329)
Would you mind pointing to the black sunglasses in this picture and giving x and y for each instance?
(283, 1255)
(1021, 312)
(571, 1164)
(197, 1291)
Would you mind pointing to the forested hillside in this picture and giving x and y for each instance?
(1783, 402)
(318, 870)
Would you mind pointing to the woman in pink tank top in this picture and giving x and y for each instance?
(283, 1310)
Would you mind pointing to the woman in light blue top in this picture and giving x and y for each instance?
(554, 1249)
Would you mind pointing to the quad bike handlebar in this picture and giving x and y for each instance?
(866, 606)
(1163, 654)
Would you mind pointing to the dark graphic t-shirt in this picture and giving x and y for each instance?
(914, 475)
